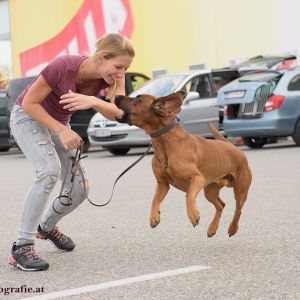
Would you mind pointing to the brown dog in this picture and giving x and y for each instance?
(186, 161)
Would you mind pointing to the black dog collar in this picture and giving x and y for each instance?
(165, 129)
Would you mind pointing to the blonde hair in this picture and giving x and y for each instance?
(110, 46)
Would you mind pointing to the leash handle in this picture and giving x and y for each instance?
(74, 159)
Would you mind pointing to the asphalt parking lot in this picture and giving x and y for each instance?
(118, 255)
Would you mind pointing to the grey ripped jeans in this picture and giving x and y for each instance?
(45, 151)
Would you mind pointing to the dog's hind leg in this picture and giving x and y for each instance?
(234, 225)
(211, 193)
(196, 184)
(160, 193)
(240, 187)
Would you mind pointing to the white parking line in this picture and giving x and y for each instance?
(109, 284)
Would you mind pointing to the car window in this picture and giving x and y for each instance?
(138, 81)
(133, 81)
(220, 81)
(264, 62)
(269, 87)
(267, 61)
(294, 84)
(264, 91)
(200, 84)
(223, 76)
(260, 77)
(161, 86)
(188, 87)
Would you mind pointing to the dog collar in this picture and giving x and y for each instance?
(165, 129)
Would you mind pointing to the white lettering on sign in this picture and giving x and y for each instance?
(89, 28)
(36, 70)
(114, 14)
(73, 46)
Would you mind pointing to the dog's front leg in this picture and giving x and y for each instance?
(196, 184)
(160, 193)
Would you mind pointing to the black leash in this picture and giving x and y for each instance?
(125, 171)
(75, 167)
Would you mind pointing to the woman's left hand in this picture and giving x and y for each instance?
(74, 101)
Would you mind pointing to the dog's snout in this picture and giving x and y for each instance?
(125, 118)
(118, 99)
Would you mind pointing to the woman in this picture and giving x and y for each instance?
(39, 123)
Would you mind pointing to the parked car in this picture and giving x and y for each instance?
(274, 62)
(199, 107)
(262, 106)
(79, 120)
(225, 75)
(6, 140)
(7, 100)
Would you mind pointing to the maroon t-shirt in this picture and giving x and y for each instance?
(60, 74)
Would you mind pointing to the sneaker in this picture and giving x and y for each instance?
(25, 258)
(59, 240)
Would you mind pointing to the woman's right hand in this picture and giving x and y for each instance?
(69, 138)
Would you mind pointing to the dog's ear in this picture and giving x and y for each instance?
(164, 106)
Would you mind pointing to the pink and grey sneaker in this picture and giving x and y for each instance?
(25, 258)
(58, 239)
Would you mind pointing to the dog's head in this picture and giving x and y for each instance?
(148, 112)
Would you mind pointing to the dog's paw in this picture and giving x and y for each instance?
(194, 217)
(212, 229)
(155, 218)
(233, 228)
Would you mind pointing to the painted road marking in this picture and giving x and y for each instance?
(110, 284)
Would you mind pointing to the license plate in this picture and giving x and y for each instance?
(102, 132)
(234, 94)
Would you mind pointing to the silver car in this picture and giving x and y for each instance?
(199, 107)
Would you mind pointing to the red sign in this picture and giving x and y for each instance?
(93, 20)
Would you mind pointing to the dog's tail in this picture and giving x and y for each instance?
(216, 134)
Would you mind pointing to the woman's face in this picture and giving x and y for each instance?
(114, 68)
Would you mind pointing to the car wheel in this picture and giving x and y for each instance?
(254, 142)
(296, 134)
(118, 151)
